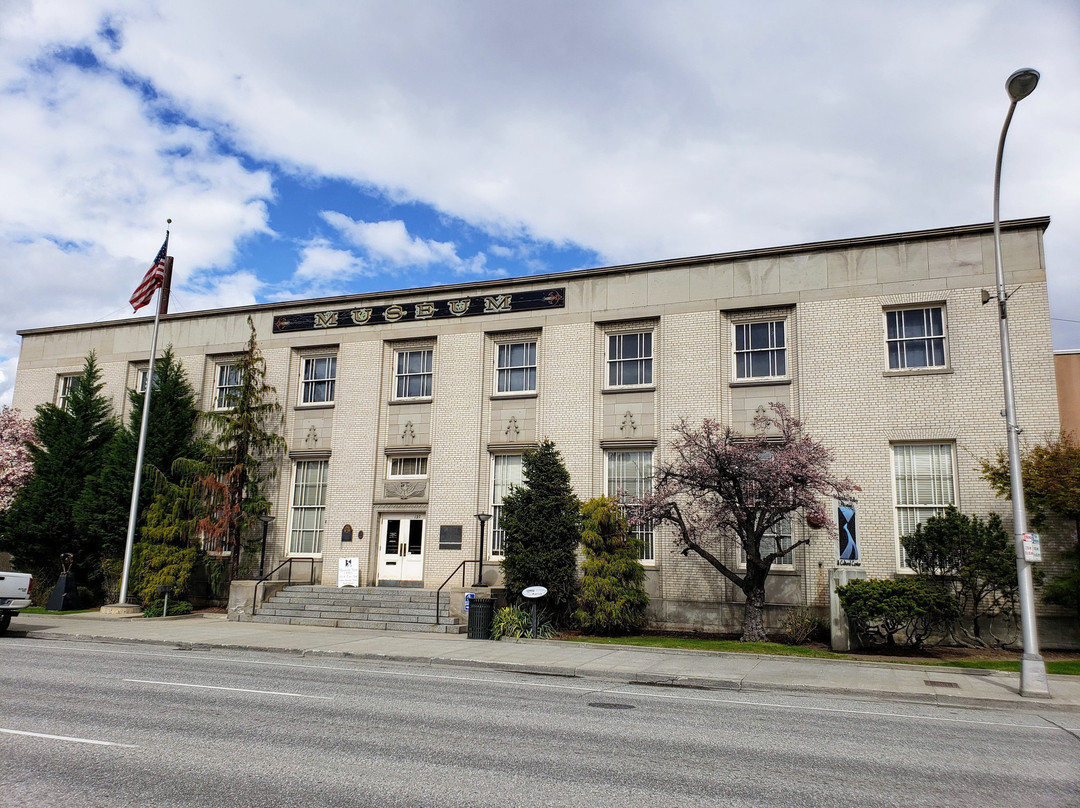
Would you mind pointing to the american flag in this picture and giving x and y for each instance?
(152, 279)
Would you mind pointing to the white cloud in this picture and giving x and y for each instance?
(321, 263)
(390, 243)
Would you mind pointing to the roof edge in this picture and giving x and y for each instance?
(1040, 222)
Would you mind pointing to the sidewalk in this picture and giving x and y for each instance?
(665, 667)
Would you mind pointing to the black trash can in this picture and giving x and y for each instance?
(481, 613)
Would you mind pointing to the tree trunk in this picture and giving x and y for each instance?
(754, 611)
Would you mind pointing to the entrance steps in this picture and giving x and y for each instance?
(373, 607)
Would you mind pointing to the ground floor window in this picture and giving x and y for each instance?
(308, 507)
(775, 539)
(506, 471)
(925, 485)
(629, 474)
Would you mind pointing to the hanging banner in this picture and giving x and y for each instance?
(847, 554)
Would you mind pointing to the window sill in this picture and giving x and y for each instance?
(320, 406)
(645, 388)
(504, 396)
(918, 372)
(760, 382)
(420, 400)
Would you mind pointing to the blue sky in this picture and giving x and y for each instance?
(348, 147)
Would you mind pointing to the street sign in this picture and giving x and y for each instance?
(1032, 547)
(534, 591)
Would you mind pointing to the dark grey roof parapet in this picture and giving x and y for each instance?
(1041, 222)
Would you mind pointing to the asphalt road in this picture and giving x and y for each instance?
(122, 725)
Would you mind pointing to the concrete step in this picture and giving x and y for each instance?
(380, 608)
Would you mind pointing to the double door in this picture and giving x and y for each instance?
(401, 548)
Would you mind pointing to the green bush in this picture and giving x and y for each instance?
(613, 599)
(516, 621)
(802, 625)
(880, 611)
(154, 565)
(176, 607)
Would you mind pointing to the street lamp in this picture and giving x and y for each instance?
(483, 517)
(1032, 667)
(266, 519)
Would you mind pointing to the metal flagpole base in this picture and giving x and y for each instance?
(122, 609)
(1033, 682)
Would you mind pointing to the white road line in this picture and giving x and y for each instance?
(68, 739)
(357, 668)
(232, 689)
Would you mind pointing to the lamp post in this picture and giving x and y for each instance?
(483, 518)
(266, 519)
(1032, 667)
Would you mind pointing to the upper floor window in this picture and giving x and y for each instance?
(412, 374)
(760, 350)
(64, 387)
(630, 474)
(142, 374)
(408, 466)
(317, 380)
(515, 367)
(925, 485)
(630, 359)
(227, 385)
(915, 338)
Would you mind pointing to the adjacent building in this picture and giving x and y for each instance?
(407, 412)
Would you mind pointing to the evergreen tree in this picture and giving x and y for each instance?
(613, 599)
(244, 451)
(40, 524)
(102, 512)
(542, 523)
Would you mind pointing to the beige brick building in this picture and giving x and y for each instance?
(406, 412)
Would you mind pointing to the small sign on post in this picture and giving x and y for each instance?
(532, 593)
(1032, 547)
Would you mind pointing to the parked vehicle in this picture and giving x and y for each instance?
(14, 595)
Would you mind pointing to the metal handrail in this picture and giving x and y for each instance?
(265, 578)
(438, 592)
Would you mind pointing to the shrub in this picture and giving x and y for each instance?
(154, 565)
(613, 599)
(802, 625)
(880, 611)
(176, 607)
(516, 621)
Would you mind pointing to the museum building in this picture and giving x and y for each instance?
(406, 412)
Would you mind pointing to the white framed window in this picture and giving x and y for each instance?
(630, 474)
(308, 507)
(407, 466)
(515, 367)
(64, 386)
(412, 373)
(915, 338)
(775, 539)
(317, 378)
(226, 385)
(925, 483)
(142, 374)
(505, 472)
(761, 350)
(630, 359)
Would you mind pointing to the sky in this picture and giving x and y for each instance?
(332, 147)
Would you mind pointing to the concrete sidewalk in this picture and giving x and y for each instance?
(665, 667)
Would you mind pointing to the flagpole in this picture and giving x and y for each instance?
(134, 514)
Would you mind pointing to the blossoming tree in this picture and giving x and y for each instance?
(15, 464)
(723, 491)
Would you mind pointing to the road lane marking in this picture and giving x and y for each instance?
(618, 689)
(231, 689)
(68, 738)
